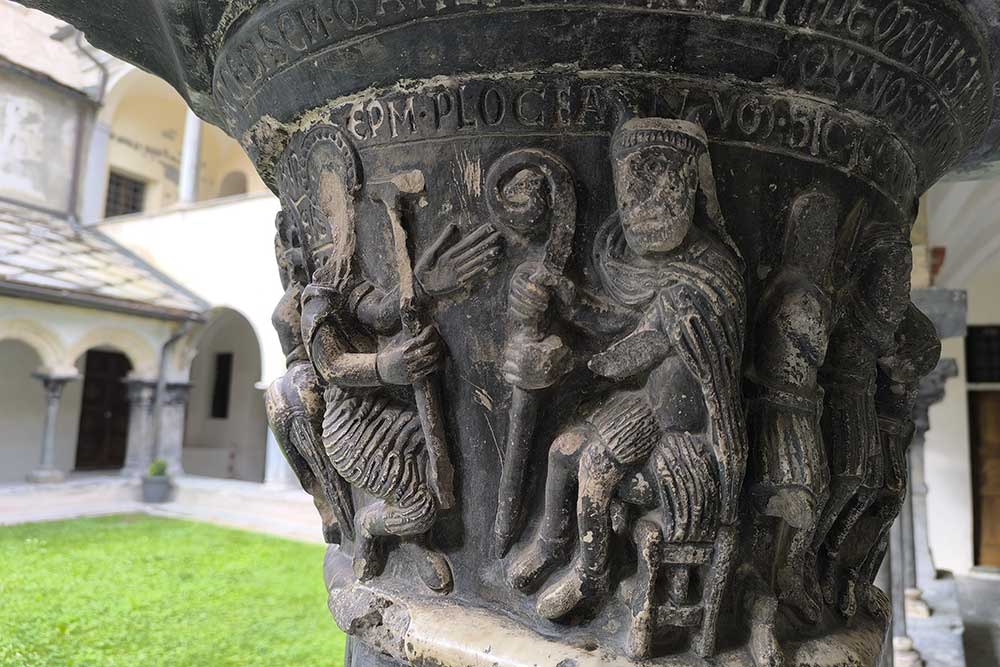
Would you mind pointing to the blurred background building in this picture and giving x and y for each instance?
(136, 254)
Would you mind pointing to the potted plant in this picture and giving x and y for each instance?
(156, 483)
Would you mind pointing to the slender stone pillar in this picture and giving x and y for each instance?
(47, 471)
(96, 174)
(172, 422)
(932, 391)
(277, 472)
(190, 159)
(904, 651)
(577, 298)
(139, 443)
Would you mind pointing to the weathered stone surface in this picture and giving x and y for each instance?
(597, 317)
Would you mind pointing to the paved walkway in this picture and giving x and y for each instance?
(938, 638)
(979, 594)
(276, 511)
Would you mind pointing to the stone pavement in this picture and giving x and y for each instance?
(979, 594)
(938, 638)
(284, 512)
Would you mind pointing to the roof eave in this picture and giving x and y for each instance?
(97, 302)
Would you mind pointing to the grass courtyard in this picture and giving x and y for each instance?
(138, 591)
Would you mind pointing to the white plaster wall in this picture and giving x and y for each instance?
(948, 468)
(37, 142)
(962, 220)
(208, 441)
(25, 38)
(221, 250)
(22, 411)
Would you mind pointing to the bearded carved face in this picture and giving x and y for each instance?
(656, 188)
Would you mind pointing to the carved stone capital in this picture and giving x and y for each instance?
(597, 318)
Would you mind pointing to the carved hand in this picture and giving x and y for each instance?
(535, 364)
(530, 294)
(406, 361)
(453, 262)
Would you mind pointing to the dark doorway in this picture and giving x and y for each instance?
(104, 412)
(985, 422)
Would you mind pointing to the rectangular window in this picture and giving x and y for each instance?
(220, 387)
(982, 354)
(125, 195)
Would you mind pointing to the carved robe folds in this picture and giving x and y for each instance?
(596, 315)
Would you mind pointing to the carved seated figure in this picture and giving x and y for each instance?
(669, 440)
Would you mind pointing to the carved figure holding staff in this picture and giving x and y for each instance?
(352, 330)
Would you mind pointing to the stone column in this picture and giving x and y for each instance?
(904, 651)
(276, 469)
(95, 180)
(586, 455)
(139, 445)
(190, 159)
(921, 563)
(47, 471)
(172, 423)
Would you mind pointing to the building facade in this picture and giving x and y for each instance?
(131, 323)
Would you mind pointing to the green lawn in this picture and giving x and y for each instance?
(138, 591)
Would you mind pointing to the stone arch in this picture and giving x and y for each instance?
(224, 354)
(141, 354)
(45, 343)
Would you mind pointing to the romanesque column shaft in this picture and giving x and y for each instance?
(47, 471)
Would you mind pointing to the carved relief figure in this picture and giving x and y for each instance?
(789, 470)
(872, 312)
(367, 360)
(916, 351)
(295, 400)
(668, 443)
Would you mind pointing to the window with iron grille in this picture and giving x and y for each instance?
(125, 195)
(982, 354)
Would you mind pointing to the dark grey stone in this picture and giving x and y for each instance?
(597, 318)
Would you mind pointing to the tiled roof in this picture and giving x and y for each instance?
(50, 258)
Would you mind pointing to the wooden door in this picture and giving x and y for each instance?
(104, 412)
(985, 422)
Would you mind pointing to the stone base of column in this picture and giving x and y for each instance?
(390, 627)
(905, 654)
(916, 606)
(46, 476)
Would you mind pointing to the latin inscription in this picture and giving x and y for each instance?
(922, 40)
(908, 64)
(795, 126)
